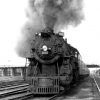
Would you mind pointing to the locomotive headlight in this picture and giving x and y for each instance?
(44, 48)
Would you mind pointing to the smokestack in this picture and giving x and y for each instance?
(55, 14)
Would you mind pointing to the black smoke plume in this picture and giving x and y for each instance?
(56, 14)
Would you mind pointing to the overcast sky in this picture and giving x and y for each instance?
(85, 37)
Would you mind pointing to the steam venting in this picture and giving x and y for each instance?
(55, 14)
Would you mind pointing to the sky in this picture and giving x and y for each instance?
(85, 37)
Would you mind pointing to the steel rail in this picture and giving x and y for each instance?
(16, 90)
(13, 87)
(57, 95)
(23, 96)
(96, 84)
(61, 93)
(12, 83)
(18, 96)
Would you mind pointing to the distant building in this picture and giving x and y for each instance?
(93, 66)
(12, 72)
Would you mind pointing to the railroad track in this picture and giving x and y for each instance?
(73, 87)
(56, 96)
(11, 83)
(8, 93)
(96, 83)
(19, 96)
(21, 93)
(12, 87)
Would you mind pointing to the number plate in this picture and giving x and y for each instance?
(44, 52)
(45, 82)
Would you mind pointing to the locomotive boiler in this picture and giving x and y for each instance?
(53, 65)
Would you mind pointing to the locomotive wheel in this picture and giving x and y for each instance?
(75, 77)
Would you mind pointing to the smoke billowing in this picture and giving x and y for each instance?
(56, 14)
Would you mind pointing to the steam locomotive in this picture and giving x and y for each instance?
(54, 64)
